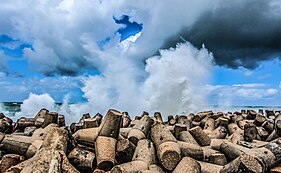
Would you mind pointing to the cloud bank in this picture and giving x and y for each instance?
(255, 94)
(239, 33)
(60, 34)
(66, 37)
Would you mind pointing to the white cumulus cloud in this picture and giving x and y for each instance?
(57, 29)
(243, 94)
(248, 73)
(250, 85)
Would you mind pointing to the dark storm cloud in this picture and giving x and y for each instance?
(240, 33)
(73, 67)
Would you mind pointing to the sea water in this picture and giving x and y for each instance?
(11, 108)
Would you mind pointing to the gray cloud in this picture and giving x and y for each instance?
(3, 66)
(66, 41)
(55, 29)
(239, 33)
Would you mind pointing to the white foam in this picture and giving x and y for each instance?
(173, 82)
(34, 103)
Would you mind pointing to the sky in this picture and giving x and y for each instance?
(173, 55)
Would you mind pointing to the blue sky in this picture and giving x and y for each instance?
(265, 77)
(59, 48)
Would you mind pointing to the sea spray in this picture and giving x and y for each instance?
(177, 78)
(34, 103)
(175, 83)
(3, 110)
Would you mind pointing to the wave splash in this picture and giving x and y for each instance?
(173, 82)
